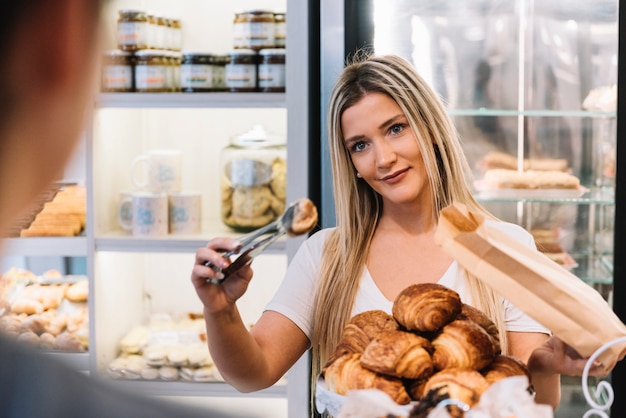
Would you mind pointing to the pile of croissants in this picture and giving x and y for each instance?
(431, 348)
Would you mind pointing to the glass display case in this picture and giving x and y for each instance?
(531, 86)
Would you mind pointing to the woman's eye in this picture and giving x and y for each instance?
(358, 146)
(396, 129)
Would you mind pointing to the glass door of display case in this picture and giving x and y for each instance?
(530, 85)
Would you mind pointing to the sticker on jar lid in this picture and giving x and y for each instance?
(247, 172)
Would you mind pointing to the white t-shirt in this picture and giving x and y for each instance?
(294, 298)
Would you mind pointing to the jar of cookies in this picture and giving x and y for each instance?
(254, 171)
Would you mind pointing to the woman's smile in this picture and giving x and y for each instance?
(396, 176)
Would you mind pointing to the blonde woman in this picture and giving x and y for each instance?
(396, 162)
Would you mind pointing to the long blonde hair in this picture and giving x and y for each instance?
(358, 207)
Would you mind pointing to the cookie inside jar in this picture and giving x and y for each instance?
(254, 172)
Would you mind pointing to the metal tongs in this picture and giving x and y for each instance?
(254, 243)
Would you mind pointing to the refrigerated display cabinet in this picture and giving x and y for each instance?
(526, 81)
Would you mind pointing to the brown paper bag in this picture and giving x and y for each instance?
(574, 311)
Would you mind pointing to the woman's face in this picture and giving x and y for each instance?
(384, 150)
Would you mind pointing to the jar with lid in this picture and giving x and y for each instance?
(152, 31)
(256, 28)
(219, 72)
(117, 71)
(177, 34)
(197, 72)
(132, 30)
(272, 70)
(175, 62)
(241, 70)
(254, 173)
(280, 29)
(239, 25)
(151, 71)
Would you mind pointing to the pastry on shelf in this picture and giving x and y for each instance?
(38, 311)
(166, 349)
(548, 243)
(602, 98)
(64, 215)
(497, 159)
(500, 178)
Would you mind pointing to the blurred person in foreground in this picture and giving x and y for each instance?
(50, 52)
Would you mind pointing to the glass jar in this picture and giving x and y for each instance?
(151, 71)
(256, 29)
(254, 173)
(174, 61)
(197, 72)
(219, 73)
(271, 70)
(280, 29)
(117, 72)
(177, 34)
(132, 30)
(239, 25)
(241, 70)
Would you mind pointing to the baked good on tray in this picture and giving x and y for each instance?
(532, 179)
(496, 159)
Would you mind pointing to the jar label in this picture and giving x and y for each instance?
(258, 35)
(241, 75)
(117, 77)
(132, 33)
(151, 77)
(239, 31)
(271, 75)
(219, 77)
(247, 172)
(195, 75)
(280, 34)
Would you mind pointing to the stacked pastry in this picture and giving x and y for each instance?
(496, 159)
(547, 241)
(64, 215)
(432, 347)
(500, 178)
(254, 205)
(51, 316)
(165, 349)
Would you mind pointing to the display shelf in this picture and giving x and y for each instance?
(191, 100)
(533, 113)
(77, 361)
(45, 246)
(592, 197)
(593, 269)
(216, 389)
(169, 244)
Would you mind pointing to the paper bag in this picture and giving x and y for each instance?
(574, 311)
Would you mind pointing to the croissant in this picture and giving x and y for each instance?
(415, 387)
(346, 373)
(426, 307)
(465, 385)
(400, 354)
(463, 344)
(477, 316)
(360, 330)
(505, 366)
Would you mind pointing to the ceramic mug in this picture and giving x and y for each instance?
(125, 208)
(161, 172)
(185, 212)
(149, 216)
